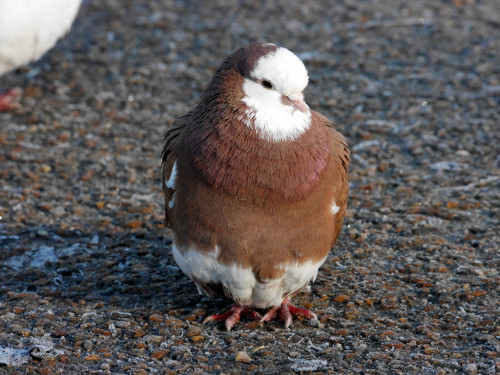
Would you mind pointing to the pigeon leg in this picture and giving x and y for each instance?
(10, 99)
(233, 315)
(286, 310)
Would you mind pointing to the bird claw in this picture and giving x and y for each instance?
(232, 316)
(271, 314)
(286, 311)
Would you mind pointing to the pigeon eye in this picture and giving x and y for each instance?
(265, 83)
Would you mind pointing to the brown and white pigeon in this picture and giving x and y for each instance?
(28, 29)
(255, 185)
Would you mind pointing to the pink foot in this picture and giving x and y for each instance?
(233, 315)
(10, 100)
(286, 310)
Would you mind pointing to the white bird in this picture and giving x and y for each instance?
(28, 29)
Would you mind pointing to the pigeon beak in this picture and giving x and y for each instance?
(297, 99)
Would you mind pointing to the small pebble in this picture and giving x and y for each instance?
(470, 368)
(243, 357)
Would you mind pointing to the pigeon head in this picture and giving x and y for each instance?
(273, 81)
(261, 87)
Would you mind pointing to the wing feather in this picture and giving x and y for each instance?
(171, 143)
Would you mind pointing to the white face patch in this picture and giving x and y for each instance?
(274, 119)
(286, 71)
(241, 282)
(334, 208)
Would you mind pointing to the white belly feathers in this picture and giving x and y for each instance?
(241, 282)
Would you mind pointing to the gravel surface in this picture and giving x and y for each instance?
(87, 280)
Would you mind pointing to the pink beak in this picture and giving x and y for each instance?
(297, 99)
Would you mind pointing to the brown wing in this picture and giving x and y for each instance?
(341, 158)
(339, 144)
(172, 140)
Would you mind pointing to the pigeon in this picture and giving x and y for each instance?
(255, 186)
(28, 29)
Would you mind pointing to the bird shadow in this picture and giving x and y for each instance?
(123, 270)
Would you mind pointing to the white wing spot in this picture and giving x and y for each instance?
(170, 184)
(171, 180)
(172, 201)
